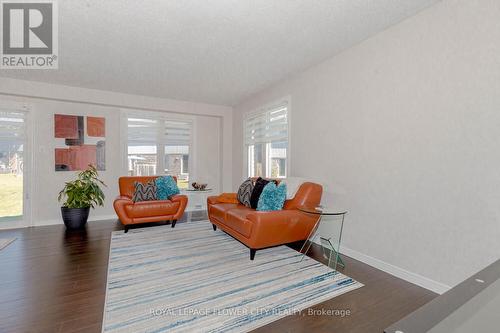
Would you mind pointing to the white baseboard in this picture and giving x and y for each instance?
(103, 217)
(60, 221)
(47, 222)
(396, 271)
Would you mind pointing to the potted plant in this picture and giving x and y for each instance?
(79, 195)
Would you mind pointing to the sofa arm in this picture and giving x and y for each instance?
(178, 198)
(212, 200)
(182, 200)
(223, 198)
(284, 226)
(119, 206)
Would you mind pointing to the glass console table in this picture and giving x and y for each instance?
(329, 224)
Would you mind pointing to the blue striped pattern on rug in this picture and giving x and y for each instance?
(194, 279)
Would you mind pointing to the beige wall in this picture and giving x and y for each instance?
(403, 131)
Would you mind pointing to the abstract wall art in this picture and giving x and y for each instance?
(80, 141)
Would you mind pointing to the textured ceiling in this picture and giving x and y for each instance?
(206, 51)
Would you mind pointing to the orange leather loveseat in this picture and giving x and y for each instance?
(259, 230)
(130, 212)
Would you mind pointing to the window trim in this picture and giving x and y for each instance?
(257, 111)
(125, 114)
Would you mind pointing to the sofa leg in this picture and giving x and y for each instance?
(126, 228)
(214, 226)
(173, 223)
(252, 253)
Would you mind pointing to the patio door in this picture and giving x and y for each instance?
(14, 161)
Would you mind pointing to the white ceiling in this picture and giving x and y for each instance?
(219, 51)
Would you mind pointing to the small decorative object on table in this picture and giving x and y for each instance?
(81, 194)
(199, 186)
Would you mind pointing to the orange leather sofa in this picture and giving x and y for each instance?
(130, 212)
(257, 229)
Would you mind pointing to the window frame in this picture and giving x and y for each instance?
(260, 110)
(160, 147)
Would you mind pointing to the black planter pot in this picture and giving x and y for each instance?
(75, 218)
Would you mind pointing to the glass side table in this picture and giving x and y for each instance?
(197, 199)
(330, 222)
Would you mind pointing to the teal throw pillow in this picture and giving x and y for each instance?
(273, 197)
(166, 187)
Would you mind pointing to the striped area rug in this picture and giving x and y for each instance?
(4, 242)
(194, 279)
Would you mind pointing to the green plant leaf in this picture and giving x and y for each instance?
(84, 191)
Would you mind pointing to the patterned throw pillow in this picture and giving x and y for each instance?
(166, 187)
(144, 192)
(245, 192)
(272, 197)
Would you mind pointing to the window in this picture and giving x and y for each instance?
(159, 145)
(12, 144)
(266, 142)
(278, 159)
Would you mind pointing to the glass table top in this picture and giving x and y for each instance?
(322, 210)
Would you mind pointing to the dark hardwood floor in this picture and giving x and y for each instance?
(53, 280)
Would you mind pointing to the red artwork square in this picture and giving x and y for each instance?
(64, 158)
(65, 127)
(96, 127)
(76, 157)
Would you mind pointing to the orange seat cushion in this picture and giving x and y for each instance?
(152, 208)
(237, 219)
(219, 210)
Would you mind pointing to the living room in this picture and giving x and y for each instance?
(372, 124)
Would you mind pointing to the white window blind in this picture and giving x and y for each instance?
(269, 125)
(266, 141)
(177, 133)
(151, 131)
